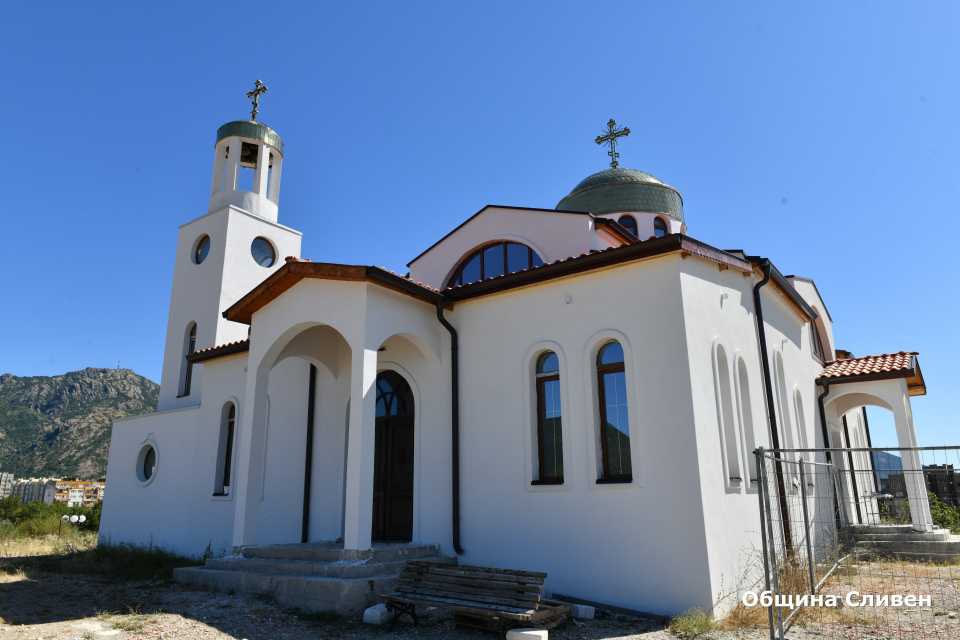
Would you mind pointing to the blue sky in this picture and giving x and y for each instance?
(822, 135)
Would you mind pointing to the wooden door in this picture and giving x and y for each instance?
(393, 460)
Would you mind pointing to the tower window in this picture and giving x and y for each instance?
(494, 260)
(549, 420)
(190, 345)
(629, 223)
(262, 252)
(660, 227)
(614, 414)
(203, 248)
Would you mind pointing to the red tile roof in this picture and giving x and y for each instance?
(222, 346)
(902, 364)
(219, 351)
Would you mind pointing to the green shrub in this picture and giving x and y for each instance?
(692, 623)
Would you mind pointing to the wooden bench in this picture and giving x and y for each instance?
(481, 597)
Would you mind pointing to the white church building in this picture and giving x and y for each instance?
(574, 390)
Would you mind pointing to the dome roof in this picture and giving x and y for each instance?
(619, 189)
(251, 129)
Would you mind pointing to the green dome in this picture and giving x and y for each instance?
(614, 190)
(251, 129)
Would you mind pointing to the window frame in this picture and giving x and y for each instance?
(666, 227)
(190, 348)
(541, 378)
(456, 277)
(634, 228)
(617, 367)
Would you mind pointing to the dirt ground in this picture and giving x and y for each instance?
(67, 607)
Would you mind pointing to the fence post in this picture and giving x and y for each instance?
(773, 550)
(806, 526)
(763, 533)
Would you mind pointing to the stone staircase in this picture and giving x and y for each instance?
(902, 540)
(316, 576)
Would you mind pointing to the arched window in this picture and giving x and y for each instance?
(629, 223)
(660, 228)
(614, 416)
(189, 346)
(746, 421)
(725, 413)
(494, 260)
(393, 460)
(801, 422)
(816, 344)
(225, 450)
(549, 419)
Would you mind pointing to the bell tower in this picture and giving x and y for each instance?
(225, 253)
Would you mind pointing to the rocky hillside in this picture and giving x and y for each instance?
(61, 425)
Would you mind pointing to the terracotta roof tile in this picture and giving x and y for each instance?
(221, 346)
(887, 362)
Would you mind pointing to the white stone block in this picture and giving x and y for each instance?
(377, 614)
(527, 634)
(582, 611)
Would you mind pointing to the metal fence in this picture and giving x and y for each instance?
(861, 543)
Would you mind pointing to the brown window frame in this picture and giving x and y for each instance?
(666, 227)
(616, 367)
(633, 228)
(541, 379)
(816, 343)
(457, 275)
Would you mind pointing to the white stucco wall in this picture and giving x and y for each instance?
(552, 235)
(201, 292)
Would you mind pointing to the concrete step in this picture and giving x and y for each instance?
(930, 550)
(334, 552)
(346, 597)
(319, 576)
(340, 569)
(912, 536)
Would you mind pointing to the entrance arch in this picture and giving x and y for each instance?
(393, 475)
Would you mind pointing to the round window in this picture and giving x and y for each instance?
(147, 463)
(203, 248)
(262, 252)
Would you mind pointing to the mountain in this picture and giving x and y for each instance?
(61, 425)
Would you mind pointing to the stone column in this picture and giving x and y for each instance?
(358, 507)
(233, 164)
(219, 164)
(249, 454)
(263, 170)
(275, 179)
(912, 462)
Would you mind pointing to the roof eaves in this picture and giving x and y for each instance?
(220, 351)
(810, 280)
(595, 260)
(492, 206)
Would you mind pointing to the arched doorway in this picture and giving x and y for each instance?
(393, 460)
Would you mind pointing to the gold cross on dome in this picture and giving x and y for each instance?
(259, 88)
(610, 139)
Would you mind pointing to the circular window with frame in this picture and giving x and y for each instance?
(147, 459)
(201, 250)
(263, 252)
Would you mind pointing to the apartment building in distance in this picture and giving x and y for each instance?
(943, 480)
(31, 489)
(79, 492)
(6, 484)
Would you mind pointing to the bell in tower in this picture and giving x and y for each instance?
(247, 144)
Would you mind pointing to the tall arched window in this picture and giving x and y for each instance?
(660, 228)
(189, 346)
(494, 260)
(549, 420)
(228, 421)
(801, 422)
(614, 415)
(746, 421)
(393, 466)
(629, 223)
(728, 434)
(816, 343)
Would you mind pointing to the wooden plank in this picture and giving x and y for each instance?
(484, 575)
(472, 582)
(456, 605)
(506, 603)
(458, 588)
(475, 569)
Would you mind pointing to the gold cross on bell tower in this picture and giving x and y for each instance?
(259, 88)
(610, 139)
